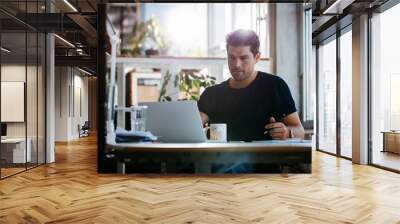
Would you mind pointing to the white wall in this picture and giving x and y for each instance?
(12, 73)
(80, 84)
(62, 80)
(288, 47)
(71, 87)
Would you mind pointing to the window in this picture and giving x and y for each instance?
(225, 18)
(199, 30)
(346, 94)
(183, 26)
(385, 84)
(327, 96)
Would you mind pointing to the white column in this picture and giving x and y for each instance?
(272, 36)
(50, 101)
(360, 90)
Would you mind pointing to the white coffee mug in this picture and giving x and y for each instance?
(218, 132)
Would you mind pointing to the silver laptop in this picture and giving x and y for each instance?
(175, 122)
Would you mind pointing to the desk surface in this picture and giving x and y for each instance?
(13, 140)
(391, 132)
(260, 146)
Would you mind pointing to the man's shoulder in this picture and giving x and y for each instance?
(216, 87)
(268, 76)
(270, 79)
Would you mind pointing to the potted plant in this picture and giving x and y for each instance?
(145, 38)
(190, 84)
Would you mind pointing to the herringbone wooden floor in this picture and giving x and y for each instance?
(70, 191)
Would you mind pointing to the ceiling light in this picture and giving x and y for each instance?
(70, 5)
(330, 7)
(86, 72)
(337, 7)
(5, 50)
(65, 41)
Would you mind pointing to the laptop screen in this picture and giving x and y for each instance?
(175, 122)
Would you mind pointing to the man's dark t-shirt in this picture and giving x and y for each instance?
(246, 111)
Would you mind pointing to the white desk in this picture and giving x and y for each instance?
(257, 146)
(17, 146)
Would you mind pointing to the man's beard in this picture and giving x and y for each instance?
(239, 75)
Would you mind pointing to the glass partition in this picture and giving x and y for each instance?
(13, 94)
(22, 88)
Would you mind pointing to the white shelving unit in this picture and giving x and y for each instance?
(174, 65)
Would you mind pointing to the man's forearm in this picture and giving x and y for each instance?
(298, 131)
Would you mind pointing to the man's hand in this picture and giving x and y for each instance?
(204, 117)
(277, 130)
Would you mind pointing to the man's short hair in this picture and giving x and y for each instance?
(244, 38)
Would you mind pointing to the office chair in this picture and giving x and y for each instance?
(84, 130)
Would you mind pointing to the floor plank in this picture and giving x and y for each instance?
(70, 191)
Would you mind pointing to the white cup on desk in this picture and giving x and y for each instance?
(217, 132)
